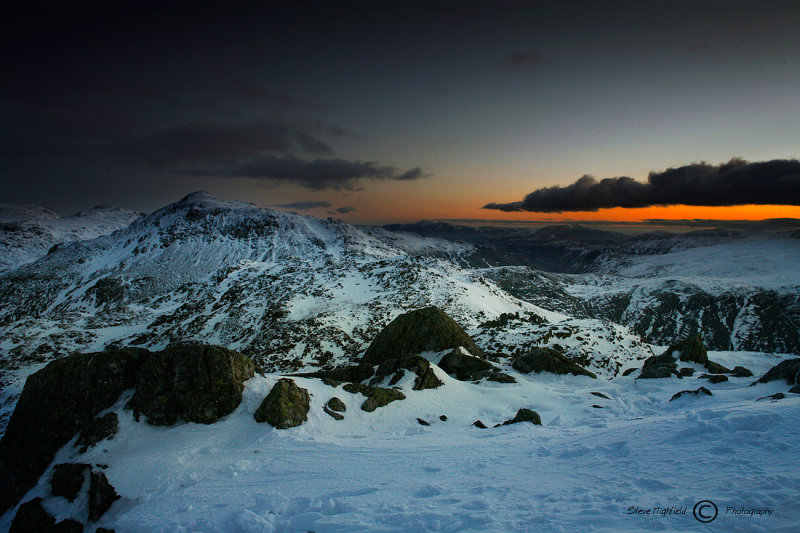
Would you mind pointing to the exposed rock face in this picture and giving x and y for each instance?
(426, 378)
(101, 495)
(380, 397)
(31, 517)
(55, 404)
(286, 405)
(788, 370)
(548, 360)
(698, 392)
(68, 479)
(428, 329)
(98, 429)
(191, 382)
(524, 415)
(690, 350)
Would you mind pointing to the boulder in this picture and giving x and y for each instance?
(422, 422)
(68, 479)
(57, 402)
(464, 367)
(788, 371)
(714, 378)
(443, 418)
(698, 392)
(421, 367)
(98, 429)
(685, 372)
(659, 366)
(691, 349)
(524, 415)
(334, 407)
(428, 329)
(31, 517)
(286, 406)
(101, 495)
(190, 382)
(795, 389)
(479, 424)
(548, 360)
(741, 372)
(380, 397)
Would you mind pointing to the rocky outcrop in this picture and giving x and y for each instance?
(190, 382)
(689, 350)
(56, 403)
(428, 329)
(380, 397)
(101, 495)
(286, 406)
(334, 407)
(98, 429)
(421, 367)
(548, 360)
(741, 372)
(788, 371)
(32, 517)
(524, 415)
(698, 392)
(68, 479)
(659, 366)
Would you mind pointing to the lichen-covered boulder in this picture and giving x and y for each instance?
(788, 371)
(334, 407)
(698, 392)
(524, 415)
(428, 329)
(286, 405)
(380, 397)
(548, 360)
(98, 429)
(57, 402)
(421, 367)
(68, 479)
(101, 495)
(190, 382)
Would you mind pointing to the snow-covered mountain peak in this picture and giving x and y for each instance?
(24, 213)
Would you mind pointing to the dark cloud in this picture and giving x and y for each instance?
(736, 182)
(303, 206)
(526, 60)
(314, 174)
(346, 209)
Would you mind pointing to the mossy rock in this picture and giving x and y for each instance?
(68, 479)
(421, 367)
(332, 414)
(741, 372)
(286, 405)
(98, 429)
(698, 392)
(464, 367)
(788, 371)
(380, 397)
(331, 382)
(691, 349)
(335, 404)
(524, 415)
(428, 329)
(57, 402)
(101, 495)
(548, 360)
(358, 388)
(191, 382)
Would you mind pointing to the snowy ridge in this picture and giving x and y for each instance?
(27, 231)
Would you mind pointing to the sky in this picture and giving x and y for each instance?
(378, 112)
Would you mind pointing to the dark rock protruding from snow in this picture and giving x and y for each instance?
(479, 424)
(741, 372)
(101, 495)
(464, 367)
(57, 402)
(698, 392)
(286, 406)
(31, 517)
(428, 329)
(421, 367)
(98, 429)
(524, 415)
(795, 389)
(788, 370)
(690, 350)
(191, 382)
(714, 378)
(380, 397)
(548, 360)
(334, 407)
(68, 479)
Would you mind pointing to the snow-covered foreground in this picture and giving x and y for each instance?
(586, 469)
